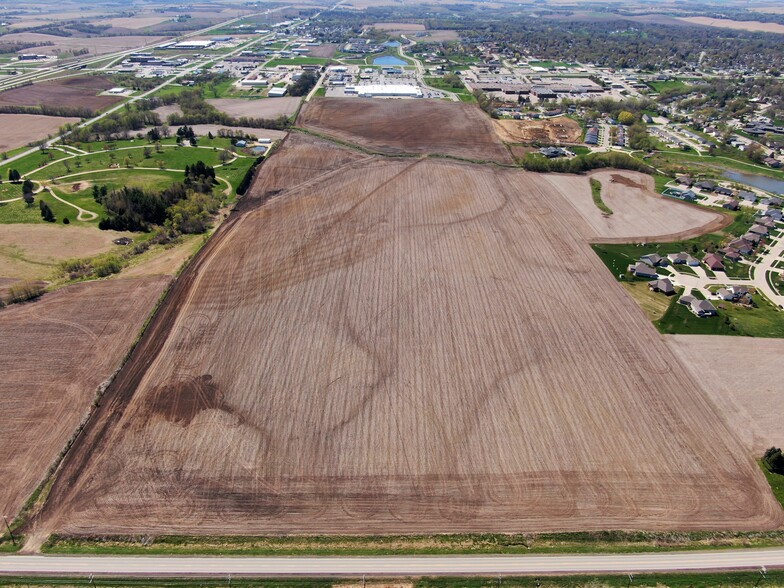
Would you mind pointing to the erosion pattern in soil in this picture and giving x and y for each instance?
(402, 346)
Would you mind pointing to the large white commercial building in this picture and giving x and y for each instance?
(393, 90)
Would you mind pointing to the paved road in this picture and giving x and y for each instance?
(752, 559)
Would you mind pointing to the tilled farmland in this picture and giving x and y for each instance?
(399, 346)
(55, 353)
(407, 126)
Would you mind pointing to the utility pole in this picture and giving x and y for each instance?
(10, 532)
(631, 579)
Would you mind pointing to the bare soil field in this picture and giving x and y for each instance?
(134, 22)
(167, 109)
(55, 353)
(397, 26)
(742, 376)
(17, 130)
(639, 213)
(259, 108)
(554, 130)
(399, 346)
(80, 91)
(742, 25)
(95, 45)
(30, 251)
(324, 50)
(407, 126)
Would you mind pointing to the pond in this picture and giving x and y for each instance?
(757, 181)
(389, 60)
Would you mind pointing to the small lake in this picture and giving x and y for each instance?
(389, 60)
(761, 182)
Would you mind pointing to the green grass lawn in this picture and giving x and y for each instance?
(549, 64)
(679, 162)
(169, 157)
(441, 84)
(732, 319)
(668, 85)
(20, 213)
(321, 92)
(596, 193)
(299, 61)
(776, 482)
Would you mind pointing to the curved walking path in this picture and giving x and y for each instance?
(481, 565)
(84, 215)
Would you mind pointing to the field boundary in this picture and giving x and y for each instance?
(457, 544)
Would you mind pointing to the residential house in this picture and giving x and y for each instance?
(722, 191)
(731, 254)
(731, 205)
(752, 238)
(663, 285)
(552, 152)
(643, 270)
(742, 246)
(773, 201)
(747, 196)
(677, 258)
(725, 294)
(713, 262)
(774, 213)
(701, 308)
(653, 259)
(685, 180)
(707, 185)
(760, 230)
(688, 195)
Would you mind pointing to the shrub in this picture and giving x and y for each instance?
(106, 265)
(24, 291)
(774, 460)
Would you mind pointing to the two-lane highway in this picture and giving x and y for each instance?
(477, 565)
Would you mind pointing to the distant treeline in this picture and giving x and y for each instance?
(47, 110)
(15, 46)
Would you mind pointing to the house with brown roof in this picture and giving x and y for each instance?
(714, 262)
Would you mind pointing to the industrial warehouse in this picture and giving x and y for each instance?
(390, 90)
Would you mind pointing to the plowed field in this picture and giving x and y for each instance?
(79, 92)
(407, 126)
(55, 353)
(398, 346)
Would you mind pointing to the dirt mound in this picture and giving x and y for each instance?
(407, 126)
(552, 130)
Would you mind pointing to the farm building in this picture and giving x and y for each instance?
(277, 92)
